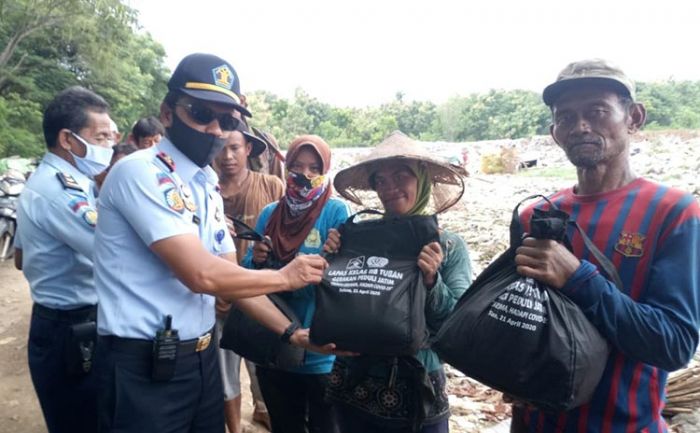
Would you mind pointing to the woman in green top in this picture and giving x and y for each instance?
(407, 181)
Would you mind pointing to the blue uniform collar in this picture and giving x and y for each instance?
(63, 166)
(184, 167)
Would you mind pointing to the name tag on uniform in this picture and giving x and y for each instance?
(195, 219)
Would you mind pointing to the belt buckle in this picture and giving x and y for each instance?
(203, 342)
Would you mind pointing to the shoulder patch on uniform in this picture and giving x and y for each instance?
(90, 217)
(76, 204)
(167, 160)
(68, 181)
(174, 200)
(164, 179)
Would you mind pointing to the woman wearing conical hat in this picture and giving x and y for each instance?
(407, 181)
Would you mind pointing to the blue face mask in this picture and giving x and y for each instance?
(96, 159)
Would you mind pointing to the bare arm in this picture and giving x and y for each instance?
(203, 272)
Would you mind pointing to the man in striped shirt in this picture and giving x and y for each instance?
(650, 232)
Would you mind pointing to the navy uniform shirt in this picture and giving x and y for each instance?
(151, 195)
(55, 229)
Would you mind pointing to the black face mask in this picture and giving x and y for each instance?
(199, 147)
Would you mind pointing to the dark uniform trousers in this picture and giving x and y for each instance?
(68, 402)
(129, 401)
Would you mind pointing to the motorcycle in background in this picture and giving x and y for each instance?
(11, 185)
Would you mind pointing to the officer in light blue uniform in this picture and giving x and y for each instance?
(163, 251)
(168, 195)
(55, 236)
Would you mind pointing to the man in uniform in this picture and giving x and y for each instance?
(162, 251)
(56, 226)
(649, 231)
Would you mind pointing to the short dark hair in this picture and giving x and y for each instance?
(69, 110)
(147, 127)
(124, 149)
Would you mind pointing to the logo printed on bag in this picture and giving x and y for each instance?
(377, 262)
(521, 305)
(356, 263)
(630, 244)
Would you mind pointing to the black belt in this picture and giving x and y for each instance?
(146, 346)
(76, 315)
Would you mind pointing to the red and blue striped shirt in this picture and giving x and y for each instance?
(651, 233)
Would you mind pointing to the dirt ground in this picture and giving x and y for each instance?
(19, 407)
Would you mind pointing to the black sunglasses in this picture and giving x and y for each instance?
(204, 115)
(245, 232)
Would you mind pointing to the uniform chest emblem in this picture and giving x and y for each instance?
(189, 204)
(630, 244)
(313, 240)
(187, 198)
(174, 201)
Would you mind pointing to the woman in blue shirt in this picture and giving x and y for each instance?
(299, 224)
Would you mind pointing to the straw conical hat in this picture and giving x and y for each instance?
(447, 181)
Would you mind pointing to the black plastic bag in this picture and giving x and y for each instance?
(372, 297)
(254, 342)
(521, 337)
(250, 339)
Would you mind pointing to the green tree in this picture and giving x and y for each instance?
(48, 45)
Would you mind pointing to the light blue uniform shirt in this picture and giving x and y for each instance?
(55, 230)
(141, 202)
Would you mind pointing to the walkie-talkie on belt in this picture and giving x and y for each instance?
(165, 352)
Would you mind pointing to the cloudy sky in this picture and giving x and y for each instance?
(361, 52)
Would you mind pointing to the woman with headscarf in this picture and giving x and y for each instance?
(299, 224)
(407, 181)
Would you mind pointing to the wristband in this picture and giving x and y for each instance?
(291, 329)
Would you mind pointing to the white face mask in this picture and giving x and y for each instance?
(96, 159)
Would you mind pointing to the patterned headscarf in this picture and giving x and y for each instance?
(296, 212)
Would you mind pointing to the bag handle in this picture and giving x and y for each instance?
(351, 218)
(605, 263)
(284, 308)
(516, 228)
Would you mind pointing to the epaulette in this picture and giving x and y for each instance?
(68, 181)
(167, 160)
